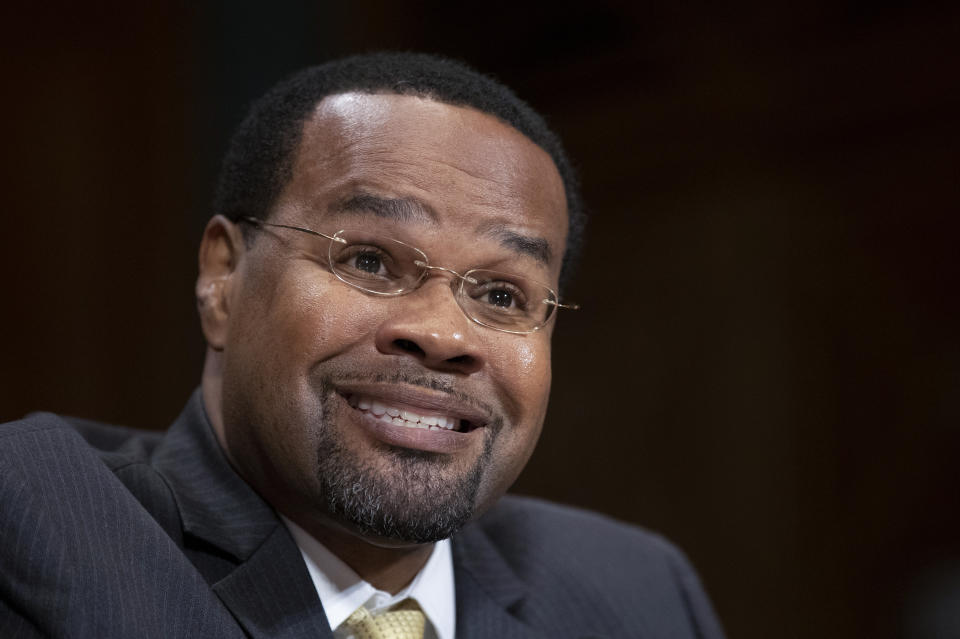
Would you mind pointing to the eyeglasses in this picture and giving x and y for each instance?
(385, 266)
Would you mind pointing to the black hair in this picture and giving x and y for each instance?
(260, 157)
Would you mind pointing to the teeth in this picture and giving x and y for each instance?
(403, 417)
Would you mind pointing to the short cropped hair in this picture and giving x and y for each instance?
(260, 157)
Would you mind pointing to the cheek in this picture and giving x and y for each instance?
(525, 370)
(310, 319)
(532, 368)
(284, 328)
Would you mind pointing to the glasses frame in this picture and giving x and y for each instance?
(424, 264)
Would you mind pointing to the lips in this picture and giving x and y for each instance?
(406, 418)
(414, 417)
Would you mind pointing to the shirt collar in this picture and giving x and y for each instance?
(342, 591)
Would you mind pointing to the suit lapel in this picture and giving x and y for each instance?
(271, 593)
(258, 571)
(215, 504)
(489, 593)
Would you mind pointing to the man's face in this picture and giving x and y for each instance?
(309, 361)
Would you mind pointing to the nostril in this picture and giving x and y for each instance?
(408, 346)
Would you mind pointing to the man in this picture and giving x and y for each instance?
(377, 291)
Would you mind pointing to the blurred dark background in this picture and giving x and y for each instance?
(767, 362)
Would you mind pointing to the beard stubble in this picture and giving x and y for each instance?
(412, 499)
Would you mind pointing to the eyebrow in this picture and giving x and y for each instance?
(408, 209)
(400, 209)
(535, 247)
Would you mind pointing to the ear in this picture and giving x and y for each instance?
(221, 248)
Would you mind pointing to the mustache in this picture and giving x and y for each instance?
(432, 382)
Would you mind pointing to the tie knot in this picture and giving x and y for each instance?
(403, 621)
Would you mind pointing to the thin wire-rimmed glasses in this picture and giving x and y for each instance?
(385, 266)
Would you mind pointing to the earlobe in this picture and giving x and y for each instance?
(220, 251)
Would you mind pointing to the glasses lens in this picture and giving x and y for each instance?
(505, 301)
(376, 264)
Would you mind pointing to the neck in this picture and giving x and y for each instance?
(211, 385)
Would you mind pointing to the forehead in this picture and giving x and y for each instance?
(472, 172)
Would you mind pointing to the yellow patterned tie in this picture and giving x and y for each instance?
(403, 621)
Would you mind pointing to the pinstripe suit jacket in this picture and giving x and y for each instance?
(110, 532)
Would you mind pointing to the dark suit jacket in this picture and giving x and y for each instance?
(109, 532)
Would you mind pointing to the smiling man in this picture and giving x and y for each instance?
(378, 290)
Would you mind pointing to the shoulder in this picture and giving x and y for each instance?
(88, 524)
(574, 560)
(68, 461)
(527, 530)
(29, 445)
(115, 443)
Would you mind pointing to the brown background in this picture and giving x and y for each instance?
(765, 369)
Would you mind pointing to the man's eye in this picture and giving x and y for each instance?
(368, 262)
(500, 298)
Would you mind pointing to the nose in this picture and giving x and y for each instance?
(429, 326)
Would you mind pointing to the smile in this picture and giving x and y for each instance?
(403, 417)
(418, 417)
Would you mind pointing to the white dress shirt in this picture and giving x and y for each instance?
(342, 591)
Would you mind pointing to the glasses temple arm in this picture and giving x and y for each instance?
(572, 307)
(258, 222)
